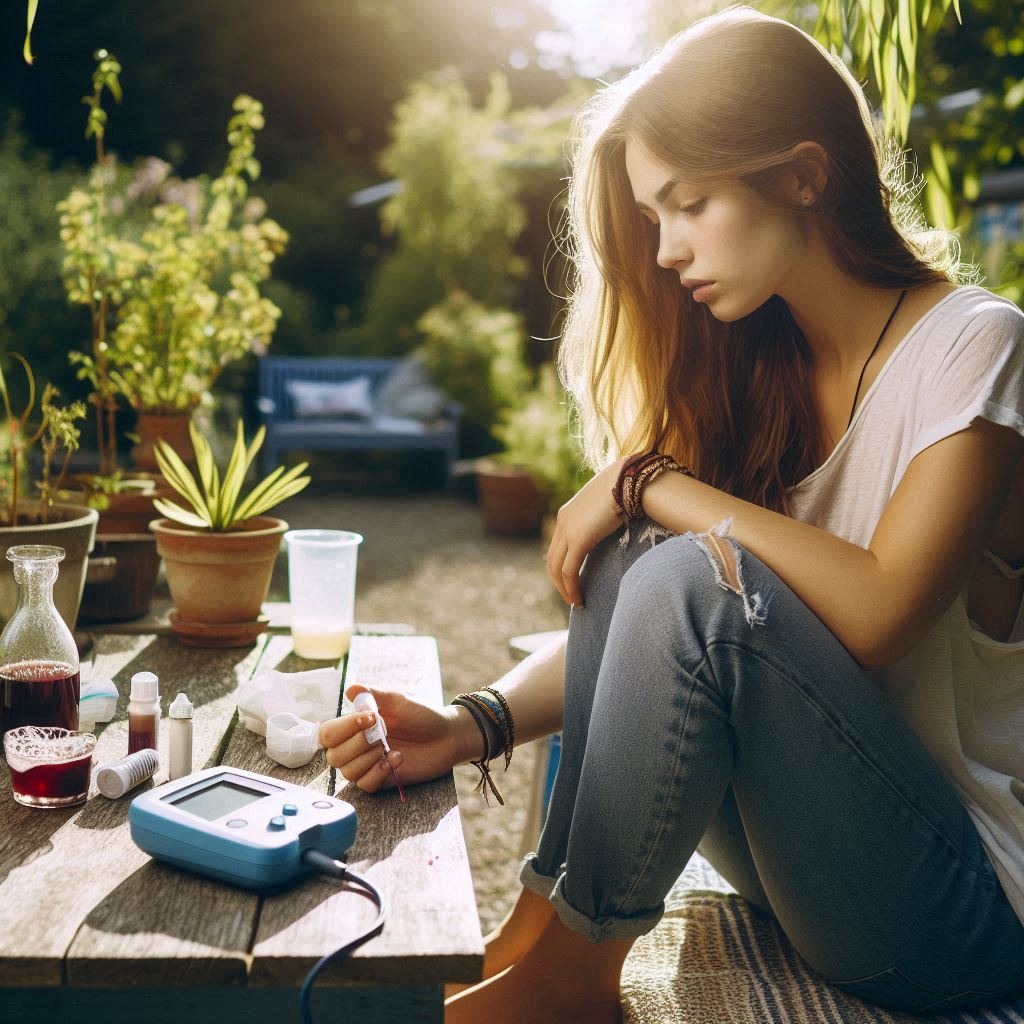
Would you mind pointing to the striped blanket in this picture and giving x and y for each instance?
(711, 960)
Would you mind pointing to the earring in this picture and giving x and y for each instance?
(806, 198)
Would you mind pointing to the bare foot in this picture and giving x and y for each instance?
(511, 940)
(562, 979)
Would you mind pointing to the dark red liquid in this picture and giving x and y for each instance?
(54, 781)
(39, 693)
(141, 733)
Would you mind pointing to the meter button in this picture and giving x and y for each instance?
(323, 805)
(276, 823)
(237, 823)
(290, 809)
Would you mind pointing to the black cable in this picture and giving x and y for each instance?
(337, 869)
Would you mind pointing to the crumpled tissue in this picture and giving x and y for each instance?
(311, 695)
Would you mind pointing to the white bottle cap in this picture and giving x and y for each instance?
(145, 686)
(292, 741)
(181, 707)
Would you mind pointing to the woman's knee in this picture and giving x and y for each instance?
(681, 574)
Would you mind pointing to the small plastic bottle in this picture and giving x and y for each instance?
(144, 712)
(180, 716)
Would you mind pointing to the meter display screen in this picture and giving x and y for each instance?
(219, 799)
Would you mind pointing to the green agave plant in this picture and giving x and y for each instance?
(217, 503)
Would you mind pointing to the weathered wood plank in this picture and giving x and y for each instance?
(201, 1005)
(76, 902)
(414, 853)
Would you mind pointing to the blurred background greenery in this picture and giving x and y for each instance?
(414, 150)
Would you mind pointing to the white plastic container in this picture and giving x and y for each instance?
(292, 741)
(322, 591)
(179, 716)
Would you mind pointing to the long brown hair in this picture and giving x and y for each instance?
(728, 100)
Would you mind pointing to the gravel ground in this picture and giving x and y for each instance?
(426, 561)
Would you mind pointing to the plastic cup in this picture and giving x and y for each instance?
(50, 767)
(322, 590)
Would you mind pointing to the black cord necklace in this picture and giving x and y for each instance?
(856, 394)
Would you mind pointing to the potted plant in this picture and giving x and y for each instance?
(219, 551)
(541, 466)
(43, 520)
(170, 271)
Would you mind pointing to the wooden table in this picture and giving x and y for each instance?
(93, 930)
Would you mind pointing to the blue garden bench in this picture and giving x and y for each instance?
(371, 430)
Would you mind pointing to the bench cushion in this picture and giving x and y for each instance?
(331, 400)
(715, 958)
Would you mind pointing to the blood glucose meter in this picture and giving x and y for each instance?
(241, 827)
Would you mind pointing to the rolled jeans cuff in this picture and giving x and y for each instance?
(596, 930)
(553, 888)
(532, 879)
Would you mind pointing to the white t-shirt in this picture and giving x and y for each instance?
(961, 691)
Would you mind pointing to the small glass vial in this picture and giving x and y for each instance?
(180, 725)
(144, 712)
(39, 671)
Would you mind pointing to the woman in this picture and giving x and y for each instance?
(797, 639)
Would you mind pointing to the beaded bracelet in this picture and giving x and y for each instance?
(636, 474)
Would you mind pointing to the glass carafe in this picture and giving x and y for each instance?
(39, 670)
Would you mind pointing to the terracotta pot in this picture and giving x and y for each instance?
(152, 427)
(71, 527)
(511, 501)
(121, 577)
(219, 580)
(129, 511)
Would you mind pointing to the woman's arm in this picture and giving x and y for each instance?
(879, 601)
(535, 691)
(427, 742)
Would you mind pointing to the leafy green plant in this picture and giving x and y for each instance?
(216, 503)
(537, 435)
(169, 269)
(55, 430)
(475, 353)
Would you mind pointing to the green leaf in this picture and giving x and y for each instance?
(261, 496)
(1014, 95)
(33, 5)
(257, 494)
(179, 514)
(234, 477)
(177, 474)
(279, 493)
(940, 166)
(208, 475)
(938, 202)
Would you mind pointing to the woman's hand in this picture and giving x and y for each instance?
(424, 741)
(582, 523)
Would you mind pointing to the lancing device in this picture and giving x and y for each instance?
(378, 732)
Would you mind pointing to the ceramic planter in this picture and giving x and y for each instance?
(121, 577)
(71, 527)
(511, 501)
(152, 427)
(219, 581)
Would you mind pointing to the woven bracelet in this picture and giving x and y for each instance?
(478, 709)
(636, 474)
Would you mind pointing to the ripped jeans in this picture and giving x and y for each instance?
(736, 723)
